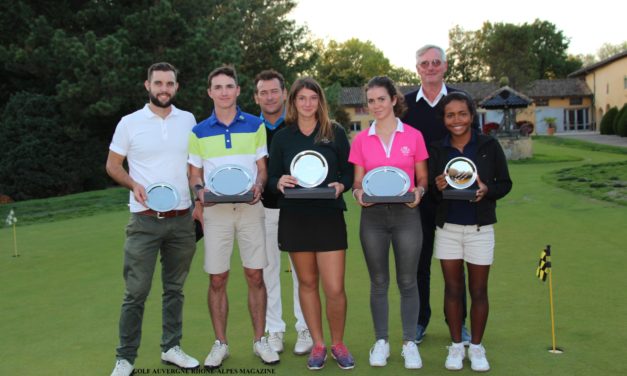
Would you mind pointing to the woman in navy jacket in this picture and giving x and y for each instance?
(464, 231)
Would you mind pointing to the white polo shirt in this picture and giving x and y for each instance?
(156, 150)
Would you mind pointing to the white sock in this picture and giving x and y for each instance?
(458, 345)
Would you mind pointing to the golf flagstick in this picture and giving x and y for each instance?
(11, 221)
(544, 269)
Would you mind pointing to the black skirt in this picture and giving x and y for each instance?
(312, 229)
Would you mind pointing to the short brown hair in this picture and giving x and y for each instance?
(163, 67)
(227, 70)
(267, 75)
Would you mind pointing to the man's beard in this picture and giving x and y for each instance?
(154, 100)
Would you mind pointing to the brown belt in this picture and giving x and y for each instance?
(161, 215)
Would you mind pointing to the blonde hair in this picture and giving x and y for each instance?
(322, 113)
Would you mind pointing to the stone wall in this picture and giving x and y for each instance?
(516, 148)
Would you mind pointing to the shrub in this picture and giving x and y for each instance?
(607, 123)
(620, 123)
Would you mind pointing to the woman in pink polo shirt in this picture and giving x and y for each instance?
(389, 142)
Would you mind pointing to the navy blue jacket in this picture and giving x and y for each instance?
(491, 168)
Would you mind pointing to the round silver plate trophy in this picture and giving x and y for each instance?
(229, 183)
(387, 184)
(310, 169)
(460, 174)
(162, 197)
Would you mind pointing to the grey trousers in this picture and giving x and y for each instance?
(146, 238)
(398, 225)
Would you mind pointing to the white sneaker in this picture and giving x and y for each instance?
(176, 356)
(478, 361)
(275, 340)
(411, 355)
(455, 358)
(122, 368)
(304, 342)
(263, 350)
(218, 353)
(379, 353)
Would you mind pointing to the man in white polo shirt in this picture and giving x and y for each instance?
(154, 140)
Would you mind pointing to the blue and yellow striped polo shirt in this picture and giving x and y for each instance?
(213, 144)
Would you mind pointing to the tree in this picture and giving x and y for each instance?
(354, 62)
(90, 57)
(607, 50)
(351, 63)
(40, 157)
(508, 52)
(521, 53)
(464, 56)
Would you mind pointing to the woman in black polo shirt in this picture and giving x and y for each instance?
(313, 231)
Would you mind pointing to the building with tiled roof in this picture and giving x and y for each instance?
(607, 81)
(568, 100)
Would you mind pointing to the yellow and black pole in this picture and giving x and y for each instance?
(544, 269)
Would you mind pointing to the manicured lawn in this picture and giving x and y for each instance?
(61, 298)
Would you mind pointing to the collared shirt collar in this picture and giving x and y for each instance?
(440, 95)
(213, 119)
(399, 127)
(278, 122)
(149, 114)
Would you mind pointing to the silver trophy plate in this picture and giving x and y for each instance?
(229, 183)
(386, 181)
(230, 180)
(460, 173)
(387, 185)
(310, 168)
(162, 197)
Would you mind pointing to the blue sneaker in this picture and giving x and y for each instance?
(465, 336)
(317, 357)
(420, 333)
(343, 357)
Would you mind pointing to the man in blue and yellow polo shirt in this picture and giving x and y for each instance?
(230, 136)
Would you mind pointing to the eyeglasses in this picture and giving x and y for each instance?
(434, 63)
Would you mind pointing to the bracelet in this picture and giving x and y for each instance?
(355, 191)
(422, 190)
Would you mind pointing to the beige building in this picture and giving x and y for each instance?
(607, 80)
(568, 100)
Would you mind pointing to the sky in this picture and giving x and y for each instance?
(400, 27)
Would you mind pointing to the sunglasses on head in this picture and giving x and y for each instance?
(434, 63)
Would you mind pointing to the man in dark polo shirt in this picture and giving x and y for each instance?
(270, 94)
(424, 115)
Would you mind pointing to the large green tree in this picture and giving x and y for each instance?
(521, 53)
(354, 62)
(90, 57)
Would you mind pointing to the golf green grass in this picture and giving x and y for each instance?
(60, 299)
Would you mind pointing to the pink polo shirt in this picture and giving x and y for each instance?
(407, 147)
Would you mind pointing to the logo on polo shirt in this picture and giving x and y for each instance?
(405, 150)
